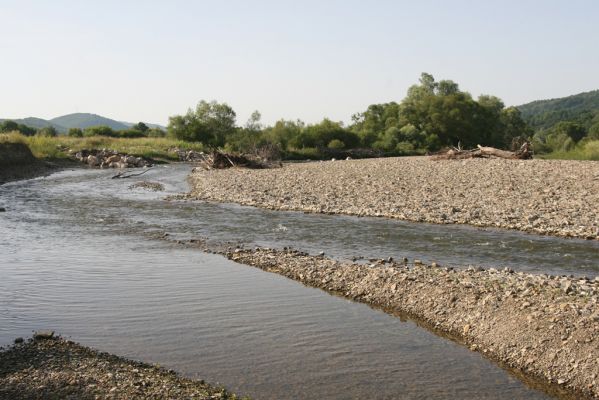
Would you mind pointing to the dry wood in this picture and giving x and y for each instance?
(524, 153)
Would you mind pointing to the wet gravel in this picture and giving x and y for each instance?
(54, 368)
(552, 197)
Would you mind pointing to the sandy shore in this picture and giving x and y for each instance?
(60, 369)
(551, 197)
(545, 327)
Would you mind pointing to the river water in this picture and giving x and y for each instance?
(74, 257)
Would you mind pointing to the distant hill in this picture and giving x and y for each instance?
(85, 120)
(78, 120)
(543, 114)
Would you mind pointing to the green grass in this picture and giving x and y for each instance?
(58, 147)
(586, 151)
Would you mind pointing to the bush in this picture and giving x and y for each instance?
(99, 131)
(75, 132)
(404, 148)
(48, 131)
(336, 144)
(591, 150)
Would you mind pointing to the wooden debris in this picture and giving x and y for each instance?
(217, 159)
(524, 153)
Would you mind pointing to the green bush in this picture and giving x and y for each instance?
(336, 144)
(75, 132)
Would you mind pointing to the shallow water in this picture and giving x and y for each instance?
(73, 258)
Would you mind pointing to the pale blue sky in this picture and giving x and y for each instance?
(147, 60)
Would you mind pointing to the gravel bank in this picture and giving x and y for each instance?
(60, 369)
(551, 197)
(545, 327)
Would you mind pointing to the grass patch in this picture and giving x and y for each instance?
(48, 148)
(585, 151)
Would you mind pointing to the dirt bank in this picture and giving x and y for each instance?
(60, 369)
(17, 162)
(542, 196)
(545, 327)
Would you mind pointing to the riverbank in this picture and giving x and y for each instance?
(17, 162)
(56, 368)
(542, 326)
(549, 197)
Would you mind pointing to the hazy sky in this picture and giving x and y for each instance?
(147, 60)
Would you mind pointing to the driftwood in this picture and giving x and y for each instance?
(524, 153)
(220, 160)
(122, 175)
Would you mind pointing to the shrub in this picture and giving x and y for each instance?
(75, 132)
(336, 144)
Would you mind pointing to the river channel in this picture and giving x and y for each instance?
(75, 258)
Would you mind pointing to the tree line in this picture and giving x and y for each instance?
(138, 130)
(433, 115)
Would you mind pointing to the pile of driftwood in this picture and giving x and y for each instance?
(523, 153)
(217, 159)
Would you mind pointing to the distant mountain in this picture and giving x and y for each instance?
(580, 108)
(78, 120)
(85, 120)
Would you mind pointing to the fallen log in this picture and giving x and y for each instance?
(524, 153)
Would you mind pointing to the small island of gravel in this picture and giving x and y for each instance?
(551, 197)
(50, 367)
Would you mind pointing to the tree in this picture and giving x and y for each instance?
(75, 132)
(140, 126)
(253, 123)
(8, 126)
(209, 123)
(571, 129)
(49, 131)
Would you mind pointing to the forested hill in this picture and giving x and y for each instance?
(580, 108)
(85, 120)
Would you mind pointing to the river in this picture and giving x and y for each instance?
(74, 257)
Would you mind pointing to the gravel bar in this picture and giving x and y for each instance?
(550, 197)
(544, 327)
(49, 367)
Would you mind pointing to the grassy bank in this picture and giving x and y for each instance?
(56, 148)
(584, 151)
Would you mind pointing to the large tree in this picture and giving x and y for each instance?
(209, 123)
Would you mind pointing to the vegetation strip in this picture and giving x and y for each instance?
(541, 196)
(48, 367)
(546, 327)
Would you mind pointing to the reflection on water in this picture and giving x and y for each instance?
(72, 259)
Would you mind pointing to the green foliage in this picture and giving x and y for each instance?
(141, 127)
(441, 109)
(48, 131)
(336, 144)
(209, 123)
(75, 132)
(155, 132)
(101, 130)
(580, 108)
(571, 129)
(12, 126)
